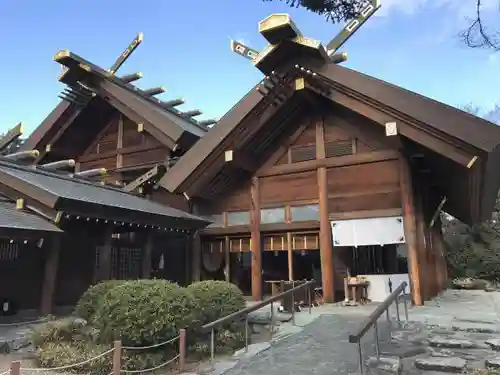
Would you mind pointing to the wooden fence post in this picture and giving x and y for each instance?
(182, 349)
(15, 367)
(117, 357)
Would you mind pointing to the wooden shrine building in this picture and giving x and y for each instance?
(321, 171)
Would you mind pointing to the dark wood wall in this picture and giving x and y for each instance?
(359, 178)
(120, 145)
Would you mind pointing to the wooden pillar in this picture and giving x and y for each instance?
(325, 231)
(256, 246)
(410, 229)
(227, 257)
(146, 256)
(422, 245)
(196, 257)
(441, 266)
(50, 275)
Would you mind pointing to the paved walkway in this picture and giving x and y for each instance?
(321, 347)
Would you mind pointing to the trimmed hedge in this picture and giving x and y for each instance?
(90, 301)
(145, 312)
(218, 299)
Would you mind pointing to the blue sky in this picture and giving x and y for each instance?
(411, 43)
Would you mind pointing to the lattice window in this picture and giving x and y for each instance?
(303, 153)
(339, 148)
(9, 251)
(125, 263)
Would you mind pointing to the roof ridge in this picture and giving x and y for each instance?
(400, 88)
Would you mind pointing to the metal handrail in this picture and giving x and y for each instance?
(243, 313)
(372, 321)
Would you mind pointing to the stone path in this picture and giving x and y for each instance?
(321, 348)
(455, 333)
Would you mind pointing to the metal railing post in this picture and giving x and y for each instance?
(246, 334)
(360, 358)
(272, 322)
(406, 305)
(377, 340)
(212, 346)
(398, 317)
(293, 308)
(309, 299)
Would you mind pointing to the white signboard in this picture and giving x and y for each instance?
(365, 232)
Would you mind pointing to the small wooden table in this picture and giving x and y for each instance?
(359, 288)
(275, 286)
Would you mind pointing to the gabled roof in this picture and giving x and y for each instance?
(77, 196)
(469, 143)
(167, 124)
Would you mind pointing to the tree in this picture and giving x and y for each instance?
(334, 10)
(476, 35)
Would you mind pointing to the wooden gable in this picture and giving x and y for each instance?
(120, 144)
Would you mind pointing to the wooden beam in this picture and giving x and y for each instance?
(11, 136)
(338, 161)
(410, 230)
(192, 113)
(153, 172)
(119, 142)
(131, 77)
(256, 245)
(155, 91)
(239, 160)
(50, 275)
(311, 225)
(23, 155)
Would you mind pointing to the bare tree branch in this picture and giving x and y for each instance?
(477, 34)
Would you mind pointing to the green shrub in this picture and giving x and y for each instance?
(62, 330)
(217, 299)
(56, 354)
(145, 312)
(90, 301)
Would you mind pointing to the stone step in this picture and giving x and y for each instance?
(444, 364)
(493, 344)
(493, 363)
(451, 343)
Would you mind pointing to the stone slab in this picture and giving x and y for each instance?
(390, 365)
(444, 342)
(445, 364)
(493, 344)
(493, 363)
